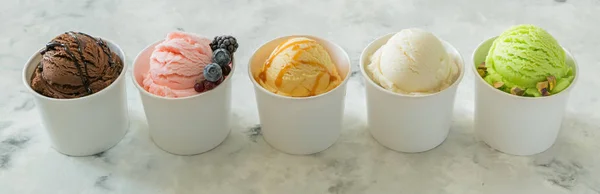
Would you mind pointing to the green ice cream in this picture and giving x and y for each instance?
(525, 56)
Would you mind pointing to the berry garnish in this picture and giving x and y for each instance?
(199, 87)
(212, 72)
(209, 85)
(221, 57)
(226, 42)
(226, 70)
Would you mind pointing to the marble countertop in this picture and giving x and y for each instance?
(244, 163)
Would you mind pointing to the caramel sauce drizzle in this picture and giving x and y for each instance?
(295, 46)
(263, 74)
(313, 91)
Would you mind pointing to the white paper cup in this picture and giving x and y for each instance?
(514, 124)
(408, 123)
(300, 125)
(189, 125)
(87, 125)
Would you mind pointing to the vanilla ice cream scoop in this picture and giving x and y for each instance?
(413, 61)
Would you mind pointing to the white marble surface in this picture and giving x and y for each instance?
(244, 163)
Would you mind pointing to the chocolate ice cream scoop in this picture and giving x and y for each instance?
(74, 65)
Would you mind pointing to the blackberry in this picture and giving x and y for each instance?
(226, 42)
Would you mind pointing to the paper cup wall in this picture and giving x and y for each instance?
(189, 125)
(514, 124)
(408, 123)
(87, 125)
(300, 125)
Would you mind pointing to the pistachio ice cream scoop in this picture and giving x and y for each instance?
(526, 60)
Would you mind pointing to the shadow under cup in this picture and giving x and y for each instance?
(300, 125)
(514, 124)
(87, 125)
(188, 125)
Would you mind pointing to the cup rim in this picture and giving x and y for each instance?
(319, 39)
(381, 89)
(112, 85)
(144, 92)
(564, 92)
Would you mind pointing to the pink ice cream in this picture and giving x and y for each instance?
(177, 64)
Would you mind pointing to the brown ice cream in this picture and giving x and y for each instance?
(74, 65)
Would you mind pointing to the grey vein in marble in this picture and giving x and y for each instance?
(245, 163)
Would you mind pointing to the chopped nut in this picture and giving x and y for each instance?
(481, 72)
(517, 91)
(481, 65)
(542, 87)
(551, 82)
(498, 84)
(481, 69)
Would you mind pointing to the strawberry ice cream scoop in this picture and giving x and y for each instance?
(177, 64)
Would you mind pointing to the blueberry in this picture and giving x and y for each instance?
(221, 57)
(213, 72)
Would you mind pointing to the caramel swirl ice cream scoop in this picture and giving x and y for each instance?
(299, 67)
